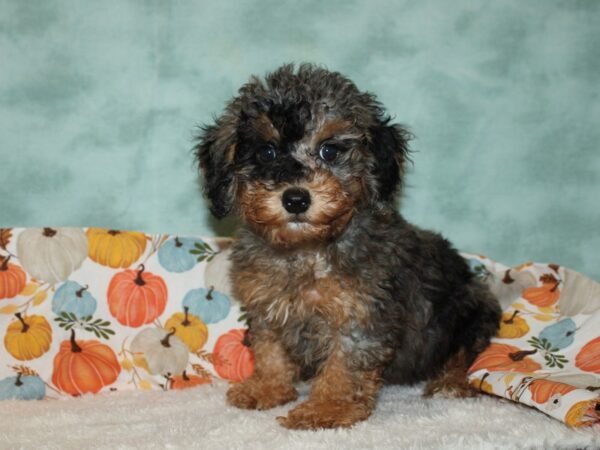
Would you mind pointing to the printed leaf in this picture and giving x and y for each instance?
(39, 298)
(29, 289)
(127, 364)
(140, 361)
(9, 309)
(145, 385)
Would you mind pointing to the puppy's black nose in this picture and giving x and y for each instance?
(296, 200)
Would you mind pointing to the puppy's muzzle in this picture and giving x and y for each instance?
(296, 200)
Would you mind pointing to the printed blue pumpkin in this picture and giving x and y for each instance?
(174, 255)
(22, 387)
(73, 298)
(210, 305)
(561, 334)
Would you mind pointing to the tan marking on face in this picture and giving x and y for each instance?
(329, 201)
(265, 128)
(261, 205)
(331, 209)
(334, 128)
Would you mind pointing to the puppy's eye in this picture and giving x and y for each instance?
(328, 152)
(267, 154)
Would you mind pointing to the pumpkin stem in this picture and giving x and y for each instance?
(139, 280)
(485, 375)
(49, 232)
(555, 286)
(25, 325)
(184, 376)
(512, 318)
(177, 242)
(113, 232)
(507, 278)
(186, 322)
(19, 382)
(209, 296)
(165, 341)
(74, 347)
(4, 266)
(520, 355)
(80, 292)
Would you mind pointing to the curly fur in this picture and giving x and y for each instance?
(348, 293)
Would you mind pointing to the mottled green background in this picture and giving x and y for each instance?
(99, 100)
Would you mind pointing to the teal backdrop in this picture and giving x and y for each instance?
(99, 101)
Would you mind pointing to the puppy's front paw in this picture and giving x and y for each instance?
(314, 414)
(254, 395)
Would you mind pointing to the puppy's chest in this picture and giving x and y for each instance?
(293, 291)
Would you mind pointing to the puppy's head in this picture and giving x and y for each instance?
(296, 154)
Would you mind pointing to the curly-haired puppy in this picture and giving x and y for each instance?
(338, 287)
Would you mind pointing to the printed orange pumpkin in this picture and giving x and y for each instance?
(84, 366)
(114, 248)
(512, 327)
(136, 298)
(28, 338)
(12, 278)
(545, 295)
(588, 358)
(185, 381)
(502, 357)
(542, 390)
(233, 359)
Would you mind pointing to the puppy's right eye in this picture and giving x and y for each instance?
(267, 154)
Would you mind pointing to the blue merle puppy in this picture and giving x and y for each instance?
(339, 289)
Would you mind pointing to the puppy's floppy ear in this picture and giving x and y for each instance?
(214, 153)
(389, 145)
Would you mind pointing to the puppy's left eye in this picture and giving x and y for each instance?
(267, 154)
(328, 152)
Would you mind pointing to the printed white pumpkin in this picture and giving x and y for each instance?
(164, 352)
(52, 254)
(217, 271)
(579, 295)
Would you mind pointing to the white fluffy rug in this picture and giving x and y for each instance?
(200, 418)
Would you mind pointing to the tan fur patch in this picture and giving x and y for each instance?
(339, 398)
(265, 128)
(271, 384)
(452, 381)
(331, 209)
(339, 128)
(277, 297)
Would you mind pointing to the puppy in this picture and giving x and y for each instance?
(339, 289)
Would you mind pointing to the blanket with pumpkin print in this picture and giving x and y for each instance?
(547, 351)
(88, 310)
(91, 310)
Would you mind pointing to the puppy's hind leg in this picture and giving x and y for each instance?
(452, 381)
(482, 315)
